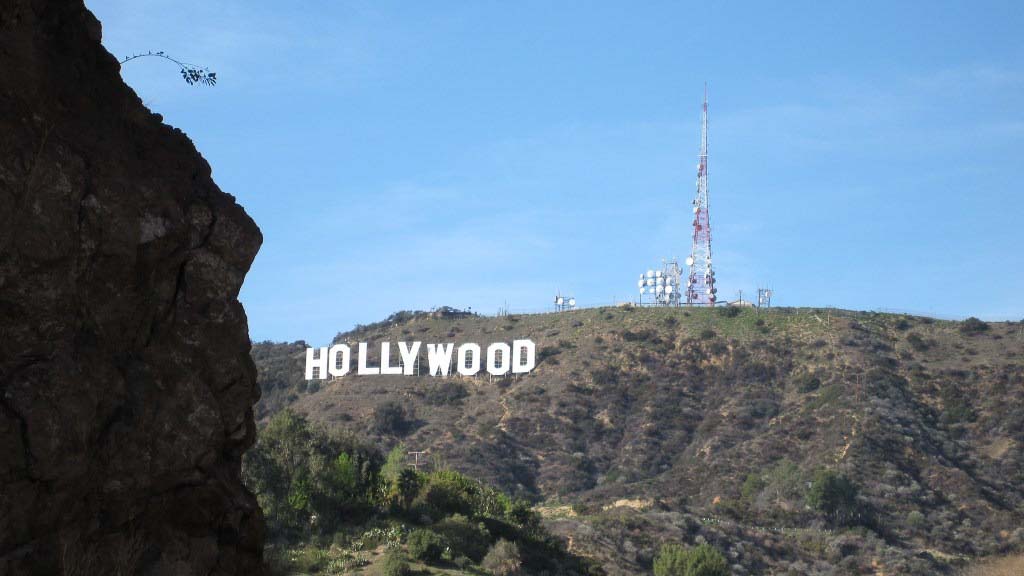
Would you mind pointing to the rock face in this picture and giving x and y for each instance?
(126, 387)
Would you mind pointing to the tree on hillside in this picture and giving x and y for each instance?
(671, 561)
(834, 495)
(394, 464)
(408, 485)
(300, 472)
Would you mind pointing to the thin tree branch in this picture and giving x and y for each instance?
(191, 73)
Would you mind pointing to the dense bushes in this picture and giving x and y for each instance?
(671, 561)
(835, 495)
(764, 489)
(729, 311)
(426, 545)
(972, 327)
(464, 537)
(445, 393)
(391, 418)
(605, 376)
(395, 565)
(702, 560)
(548, 352)
(503, 559)
(807, 382)
(917, 342)
(313, 486)
(955, 405)
(303, 476)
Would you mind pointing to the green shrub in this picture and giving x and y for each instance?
(408, 485)
(521, 515)
(836, 496)
(391, 418)
(394, 565)
(706, 560)
(915, 519)
(972, 327)
(309, 559)
(702, 560)
(807, 382)
(426, 545)
(671, 561)
(547, 352)
(917, 342)
(446, 393)
(299, 471)
(646, 335)
(729, 311)
(752, 487)
(464, 537)
(446, 494)
(605, 376)
(502, 559)
(957, 411)
(346, 475)
(707, 334)
(394, 464)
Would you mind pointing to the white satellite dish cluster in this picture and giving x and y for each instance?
(661, 287)
(564, 302)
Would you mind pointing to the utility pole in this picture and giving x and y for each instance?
(416, 455)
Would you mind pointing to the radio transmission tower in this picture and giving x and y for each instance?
(700, 287)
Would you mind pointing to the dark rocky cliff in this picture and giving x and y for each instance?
(126, 387)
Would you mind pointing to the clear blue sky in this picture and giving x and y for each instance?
(403, 155)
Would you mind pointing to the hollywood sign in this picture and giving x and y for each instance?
(498, 360)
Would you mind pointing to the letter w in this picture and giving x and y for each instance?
(439, 357)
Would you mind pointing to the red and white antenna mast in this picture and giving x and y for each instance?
(700, 286)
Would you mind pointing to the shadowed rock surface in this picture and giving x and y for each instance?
(126, 387)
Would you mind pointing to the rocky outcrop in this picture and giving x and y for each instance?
(126, 387)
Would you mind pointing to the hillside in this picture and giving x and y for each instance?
(642, 426)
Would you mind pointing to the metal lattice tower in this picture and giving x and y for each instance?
(700, 286)
(662, 287)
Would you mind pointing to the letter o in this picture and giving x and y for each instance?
(506, 359)
(474, 366)
(332, 360)
(524, 356)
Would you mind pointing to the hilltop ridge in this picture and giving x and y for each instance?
(644, 425)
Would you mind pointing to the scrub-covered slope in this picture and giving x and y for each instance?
(811, 441)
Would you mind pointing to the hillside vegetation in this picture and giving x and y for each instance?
(796, 441)
(334, 506)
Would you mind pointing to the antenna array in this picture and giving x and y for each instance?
(661, 287)
(563, 303)
(700, 285)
